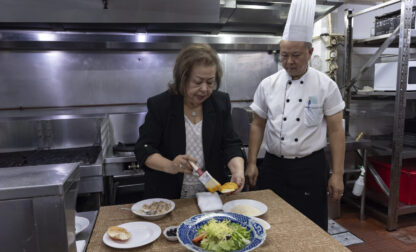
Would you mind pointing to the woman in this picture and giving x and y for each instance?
(189, 122)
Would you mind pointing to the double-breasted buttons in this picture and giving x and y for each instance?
(287, 100)
(300, 100)
(296, 139)
(298, 119)
(289, 82)
(282, 138)
(145, 145)
(301, 82)
(284, 118)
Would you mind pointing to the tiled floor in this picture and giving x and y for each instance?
(374, 233)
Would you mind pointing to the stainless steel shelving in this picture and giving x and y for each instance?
(402, 38)
(375, 41)
(385, 148)
(410, 95)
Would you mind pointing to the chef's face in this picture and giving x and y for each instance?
(295, 56)
(200, 84)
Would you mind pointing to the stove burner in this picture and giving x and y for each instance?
(121, 147)
(85, 155)
(123, 150)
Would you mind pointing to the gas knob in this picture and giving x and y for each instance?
(133, 166)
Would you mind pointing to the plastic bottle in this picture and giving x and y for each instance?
(359, 183)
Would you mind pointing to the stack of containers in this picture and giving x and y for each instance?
(407, 191)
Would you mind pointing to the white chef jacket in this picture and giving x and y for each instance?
(295, 111)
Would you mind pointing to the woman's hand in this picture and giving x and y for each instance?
(236, 166)
(239, 179)
(180, 164)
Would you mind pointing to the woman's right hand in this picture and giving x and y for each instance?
(181, 164)
(252, 173)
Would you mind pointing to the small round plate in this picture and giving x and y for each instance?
(138, 206)
(142, 233)
(262, 222)
(170, 238)
(81, 224)
(227, 207)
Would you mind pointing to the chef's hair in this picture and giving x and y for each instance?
(187, 58)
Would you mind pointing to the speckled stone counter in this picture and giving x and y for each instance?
(290, 230)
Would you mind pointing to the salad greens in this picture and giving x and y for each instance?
(223, 236)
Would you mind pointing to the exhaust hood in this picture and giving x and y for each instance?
(133, 25)
(200, 16)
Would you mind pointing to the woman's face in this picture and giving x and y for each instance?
(200, 84)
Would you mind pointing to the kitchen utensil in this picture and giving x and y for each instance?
(206, 179)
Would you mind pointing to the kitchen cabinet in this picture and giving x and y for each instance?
(401, 37)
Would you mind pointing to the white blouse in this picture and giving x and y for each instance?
(295, 111)
(191, 184)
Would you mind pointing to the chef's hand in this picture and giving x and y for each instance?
(252, 173)
(336, 186)
(181, 164)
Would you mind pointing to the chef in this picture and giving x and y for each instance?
(294, 110)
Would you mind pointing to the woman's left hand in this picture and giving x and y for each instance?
(236, 166)
(239, 179)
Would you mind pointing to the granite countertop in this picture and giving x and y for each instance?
(290, 230)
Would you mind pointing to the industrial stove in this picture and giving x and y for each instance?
(124, 180)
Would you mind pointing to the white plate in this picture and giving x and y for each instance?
(254, 203)
(142, 233)
(262, 222)
(81, 224)
(136, 207)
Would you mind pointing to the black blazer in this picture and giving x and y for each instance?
(164, 132)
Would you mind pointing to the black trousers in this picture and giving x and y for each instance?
(302, 182)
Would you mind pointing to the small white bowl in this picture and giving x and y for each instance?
(138, 206)
(170, 238)
(262, 222)
(227, 207)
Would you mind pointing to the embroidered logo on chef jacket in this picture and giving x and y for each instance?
(312, 100)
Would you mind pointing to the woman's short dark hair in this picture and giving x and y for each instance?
(187, 58)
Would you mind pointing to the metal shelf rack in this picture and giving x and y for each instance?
(402, 38)
(410, 95)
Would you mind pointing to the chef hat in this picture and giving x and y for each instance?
(299, 24)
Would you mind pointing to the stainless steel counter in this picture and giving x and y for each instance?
(35, 181)
(45, 197)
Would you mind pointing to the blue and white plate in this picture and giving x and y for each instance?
(189, 228)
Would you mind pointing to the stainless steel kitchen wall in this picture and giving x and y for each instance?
(46, 133)
(58, 99)
(108, 81)
(18, 135)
